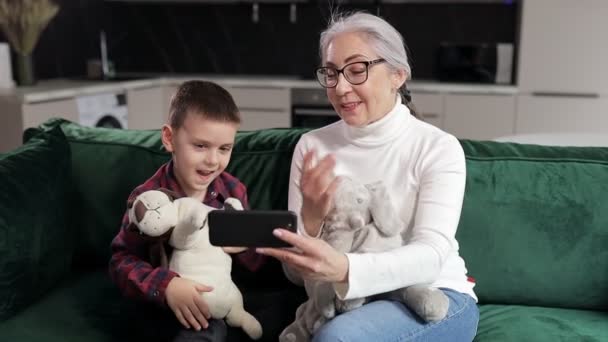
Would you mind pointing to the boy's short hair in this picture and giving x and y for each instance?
(203, 98)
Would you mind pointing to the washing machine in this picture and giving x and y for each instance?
(107, 110)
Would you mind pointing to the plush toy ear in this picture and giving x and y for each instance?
(140, 211)
(136, 214)
(232, 203)
(382, 210)
(228, 206)
(132, 227)
(130, 202)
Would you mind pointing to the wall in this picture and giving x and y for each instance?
(68, 41)
(212, 38)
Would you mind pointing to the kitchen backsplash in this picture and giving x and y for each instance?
(223, 38)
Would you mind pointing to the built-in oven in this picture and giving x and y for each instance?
(310, 108)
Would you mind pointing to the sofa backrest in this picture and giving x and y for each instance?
(533, 229)
(107, 164)
(534, 224)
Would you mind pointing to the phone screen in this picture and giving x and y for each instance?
(249, 228)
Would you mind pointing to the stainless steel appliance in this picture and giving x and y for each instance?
(311, 108)
(107, 110)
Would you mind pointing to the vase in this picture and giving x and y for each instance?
(25, 70)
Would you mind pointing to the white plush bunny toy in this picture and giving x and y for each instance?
(193, 257)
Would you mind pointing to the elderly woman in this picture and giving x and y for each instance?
(365, 68)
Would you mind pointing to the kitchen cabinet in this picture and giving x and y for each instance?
(536, 114)
(17, 116)
(262, 107)
(430, 107)
(479, 116)
(562, 67)
(148, 107)
(11, 124)
(563, 47)
(33, 114)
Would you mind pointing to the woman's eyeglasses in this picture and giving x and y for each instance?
(355, 73)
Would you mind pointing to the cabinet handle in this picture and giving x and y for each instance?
(258, 109)
(35, 99)
(430, 115)
(314, 112)
(560, 94)
(255, 87)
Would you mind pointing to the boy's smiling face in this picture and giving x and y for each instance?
(201, 150)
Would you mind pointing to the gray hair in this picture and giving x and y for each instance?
(386, 41)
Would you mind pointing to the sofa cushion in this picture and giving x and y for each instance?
(89, 308)
(262, 161)
(35, 242)
(534, 224)
(107, 164)
(500, 323)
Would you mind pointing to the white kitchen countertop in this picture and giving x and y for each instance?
(49, 90)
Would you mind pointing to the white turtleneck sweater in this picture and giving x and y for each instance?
(424, 171)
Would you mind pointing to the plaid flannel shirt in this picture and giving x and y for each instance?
(131, 267)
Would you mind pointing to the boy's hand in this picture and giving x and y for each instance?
(185, 300)
(231, 250)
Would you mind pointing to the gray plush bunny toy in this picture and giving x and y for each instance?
(363, 219)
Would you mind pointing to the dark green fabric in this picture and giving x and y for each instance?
(85, 308)
(513, 323)
(533, 231)
(502, 150)
(35, 242)
(107, 164)
(534, 224)
(262, 160)
(89, 308)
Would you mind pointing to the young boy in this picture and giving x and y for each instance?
(203, 121)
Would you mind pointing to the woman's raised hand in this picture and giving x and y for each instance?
(318, 185)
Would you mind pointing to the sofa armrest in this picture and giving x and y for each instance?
(35, 243)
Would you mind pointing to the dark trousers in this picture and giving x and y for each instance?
(161, 325)
(215, 332)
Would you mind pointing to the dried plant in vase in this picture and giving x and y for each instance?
(22, 21)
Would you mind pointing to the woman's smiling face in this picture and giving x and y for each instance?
(362, 104)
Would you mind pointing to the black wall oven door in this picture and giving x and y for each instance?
(310, 108)
(313, 117)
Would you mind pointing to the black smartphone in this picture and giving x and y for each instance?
(249, 228)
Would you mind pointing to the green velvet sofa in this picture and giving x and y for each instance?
(533, 231)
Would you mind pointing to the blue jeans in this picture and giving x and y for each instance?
(392, 321)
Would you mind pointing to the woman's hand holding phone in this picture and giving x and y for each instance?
(312, 258)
